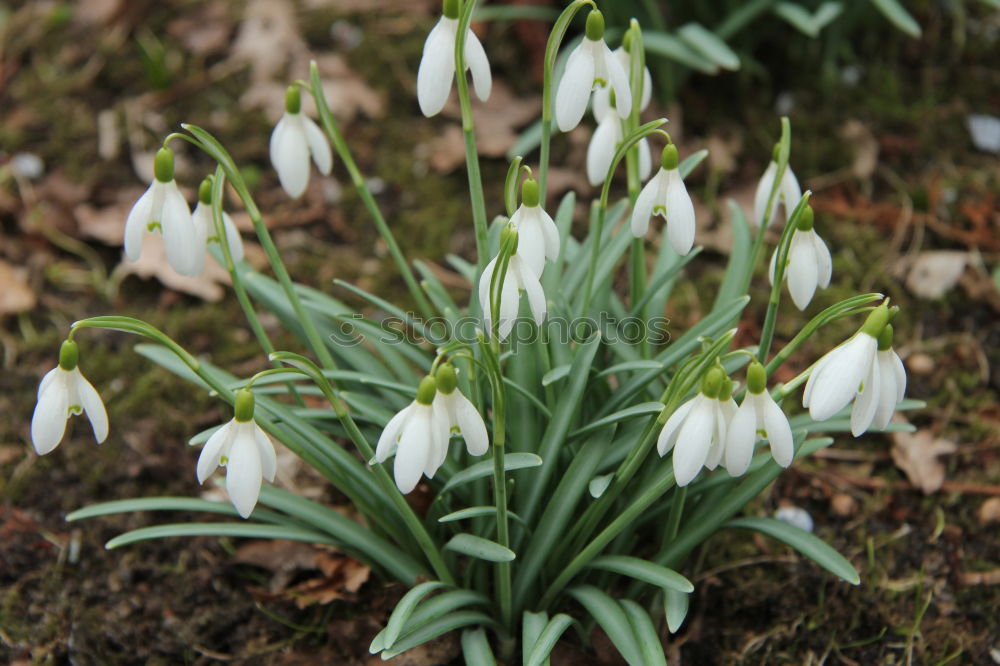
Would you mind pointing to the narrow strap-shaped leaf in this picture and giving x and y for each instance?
(629, 366)
(635, 411)
(480, 548)
(476, 648)
(542, 646)
(532, 625)
(898, 16)
(691, 162)
(612, 619)
(555, 374)
(706, 42)
(404, 609)
(669, 46)
(645, 633)
(249, 530)
(808, 544)
(648, 572)
(738, 267)
(440, 626)
(675, 607)
(477, 512)
(512, 461)
(170, 504)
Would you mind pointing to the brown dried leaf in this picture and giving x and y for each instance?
(989, 512)
(153, 263)
(15, 295)
(917, 455)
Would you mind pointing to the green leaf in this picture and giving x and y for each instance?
(691, 162)
(609, 614)
(645, 633)
(480, 548)
(898, 16)
(805, 22)
(643, 570)
(512, 461)
(675, 607)
(401, 613)
(738, 267)
(599, 484)
(668, 46)
(249, 530)
(532, 625)
(170, 504)
(476, 649)
(642, 409)
(628, 366)
(809, 545)
(537, 651)
(437, 627)
(554, 375)
(477, 512)
(515, 13)
(705, 42)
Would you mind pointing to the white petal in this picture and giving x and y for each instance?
(647, 90)
(789, 191)
(477, 62)
(440, 433)
(319, 148)
(760, 197)
(779, 433)
(204, 225)
(740, 437)
(551, 233)
(668, 435)
(437, 67)
(233, 238)
(135, 225)
(680, 215)
(811, 382)
(718, 441)
(602, 149)
(510, 303)
(47, 380)
(484, 295)
(618, 80)
(471, 425)
(531, 238)
(600, 104)
(290, 154)
(693, 441)
(390, 434)
(645, 160)
(574, 87)
(866, 403)
(536, 296)
(244, 471)
(644, 206)
(211, 454)
(900, 373)
(265, 448)
(92, 404)
(184, 252)
(824, 262)
(48, 423)
(841, 377)
(413, 451)
(772, 265)
(801, 271)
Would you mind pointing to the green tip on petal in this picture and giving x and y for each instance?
(446, 378)
(613, 99)
(806, 219)
(243, 410)
(756, 378)
(776, 152)
(163, 165)
(885, 338)
(877, 320)
(529, 193)
(712, 382)
(595, 25)
(69, 355)
(669, 158)
(205, 191)
(450, 8)
(293, 99)
(427, 390)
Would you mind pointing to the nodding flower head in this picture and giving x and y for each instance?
(520, 276)
(665, 195)
(696, 429)
(437, 64)
(295, 138)
(788, 194)
(759, 417)
(418, 436)
(62, 393)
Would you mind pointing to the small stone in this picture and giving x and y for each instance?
(843, 505)
(920, 364)
(989, 511)
(795, 516)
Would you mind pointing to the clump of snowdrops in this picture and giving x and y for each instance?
(576, 448)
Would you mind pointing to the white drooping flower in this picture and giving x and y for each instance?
(204, 223)
(696, 431)
(437, 64)
(418, 435)
(163, 208)
(809, 264)
(590, 64)
(295, 138)
(665, 195)
(460, 415)
(845, 373)
(882, 389)
(520, 277)
(788, 194)
(605, 139)
(62, 393)
(538, 236)
(245, 450)
(759, 417)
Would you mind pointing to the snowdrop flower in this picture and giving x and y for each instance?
(665, 195)
(728, 408)
(245, 450)
(788, 194)
(62, 393)
(459, 414)
(696, 430)
(538, 237)
(293, 140)
(808, 265)
(437, 64)
(163, 208)
(520, 276)
(759, 417)
(590, 64)
(204, 223)
(418, 435)
(882, 389)
(845, 372)
(604, 142)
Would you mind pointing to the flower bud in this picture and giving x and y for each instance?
(446, 378)
(243, 409)
(426, 390)
(669, 158)
(163, 165)
(595, 25)
(293, 99)
(756, 378)
(69, 355)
